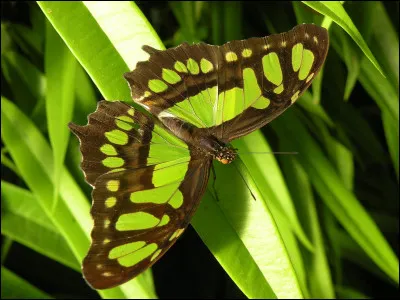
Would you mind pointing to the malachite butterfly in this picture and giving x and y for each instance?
(149, 172)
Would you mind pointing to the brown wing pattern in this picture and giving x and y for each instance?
(146, 188)
(143, 247)
(238, 82)
(92, 138)
(311, 38)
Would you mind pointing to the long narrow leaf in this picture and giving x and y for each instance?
(60, 68)
(318, 271)
(25, 221)
(14, 287)
(342, 203)
(336, 12)
(392, 138)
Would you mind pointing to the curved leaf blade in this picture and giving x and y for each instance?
(14, 287)
(337, 197)
(24, 221)
(60, 68)
(337, 13)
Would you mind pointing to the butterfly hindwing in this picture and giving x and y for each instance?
(105, 140)
(235, 88)
(147, 185)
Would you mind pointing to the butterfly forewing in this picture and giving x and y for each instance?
(288, 63)
(235, 88)
(147, 184)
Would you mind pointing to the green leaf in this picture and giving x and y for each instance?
(387, 99)
(109, 31)
(27, 38)
(338, 154)
(351, 251)
(231, 251)
(270, 181)
(329, 226)
(336, 12)
(5, 248)
(232, 20)
(6, 40)
(192, 27)
(24, 221)
(85, 96)
(345, 292)
(184, 12)
(306, 102)
(14, 287)
(5, 161)
(392, 138)
(385, 43)
(352, 53)
(352, 58)
(301, 191)
(60, 68)
(216, 8)
(336, 196)
(226, 18)
(38, 22)
(384, 90)
(244, 210)
(26, 81)
(379, 88)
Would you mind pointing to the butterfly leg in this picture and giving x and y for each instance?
(214, 180)
(245, 182)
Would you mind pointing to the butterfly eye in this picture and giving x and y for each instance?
(224, 161)
(226, 155)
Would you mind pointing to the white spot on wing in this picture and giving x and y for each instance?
(143, 105)
(165, 114)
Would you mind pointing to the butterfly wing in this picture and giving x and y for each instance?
(287, 66)
(231, 89)
(147, 185)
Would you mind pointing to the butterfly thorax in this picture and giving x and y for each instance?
(201, 140)
(217, 149)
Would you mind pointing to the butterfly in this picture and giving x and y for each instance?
(149, 171)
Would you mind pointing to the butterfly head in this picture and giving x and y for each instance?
(225, 155)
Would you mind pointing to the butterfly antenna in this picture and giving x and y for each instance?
(214, 180)
(244, 180)
(278, 152)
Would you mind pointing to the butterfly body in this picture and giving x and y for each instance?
(204, 141)
(150, 172)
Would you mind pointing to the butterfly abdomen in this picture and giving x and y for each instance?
(206, 144)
